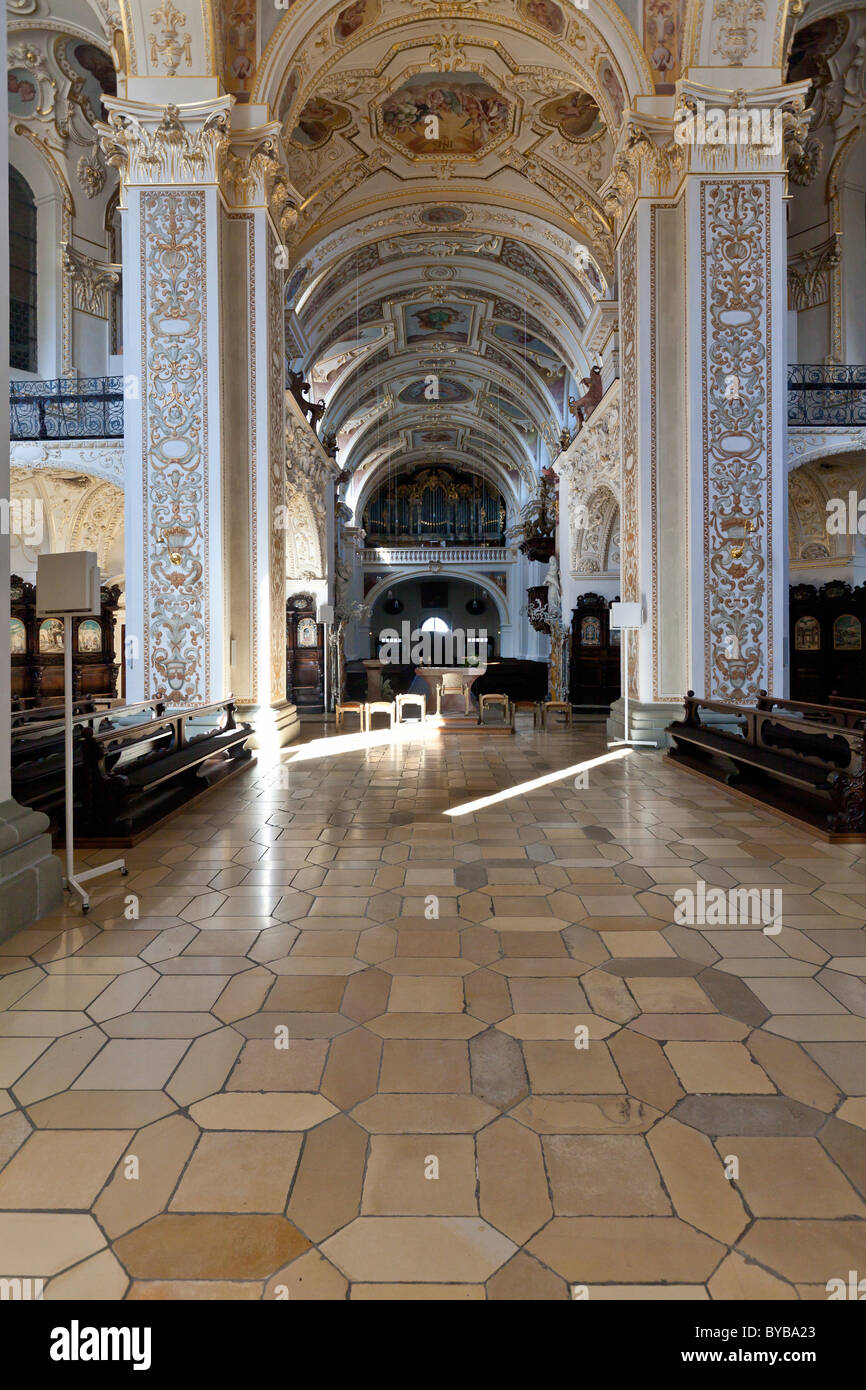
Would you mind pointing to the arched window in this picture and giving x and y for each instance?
(435, 625)
(22, 274)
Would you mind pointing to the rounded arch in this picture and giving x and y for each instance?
(807, 447)
(485, 213)
(608, 34)
(304, 539)
(391, 581)
(813, 489)
(55, 210)
(596, 521)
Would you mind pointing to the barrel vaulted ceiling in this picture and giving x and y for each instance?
(451, 241)
(449, 158)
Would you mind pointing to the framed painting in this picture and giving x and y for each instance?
(807, 635)
(847, 635)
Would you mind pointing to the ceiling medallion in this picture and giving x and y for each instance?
(439, 272)
(576, 116)
(444, 116)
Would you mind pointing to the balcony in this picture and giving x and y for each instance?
(67, 408)
(819, 395)
(437, 555)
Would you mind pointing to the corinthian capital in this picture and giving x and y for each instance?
(92, 281)
(158, 145)
(647, 163)
(254, 174)
(749, 132)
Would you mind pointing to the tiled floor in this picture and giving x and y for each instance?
(353, 1047)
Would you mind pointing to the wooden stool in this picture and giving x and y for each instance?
(404, 700)
(532, 707)
(560, 707)
(495, 702)
(452, 684)
(350, 707)
(379, 707)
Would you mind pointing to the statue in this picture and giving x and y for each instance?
(554, 591)
(538, 519)
(313, 410)
(583, 406)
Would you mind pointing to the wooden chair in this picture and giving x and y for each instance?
(556, 707)
(403, 700)
(379, 707)
(350, 707)
(452, 684)
(502, 702)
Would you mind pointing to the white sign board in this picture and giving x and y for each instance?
(626, 615)
(68, 583)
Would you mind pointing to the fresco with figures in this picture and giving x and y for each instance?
(467, 113)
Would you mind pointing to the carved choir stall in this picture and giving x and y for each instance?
(595, 653)
(305, 654)
(827, 649)
(37, 650)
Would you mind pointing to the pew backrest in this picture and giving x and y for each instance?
(789, 734)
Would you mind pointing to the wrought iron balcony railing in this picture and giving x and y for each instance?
(67, 408)
(819, 395)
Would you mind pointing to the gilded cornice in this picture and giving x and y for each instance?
(648, 163)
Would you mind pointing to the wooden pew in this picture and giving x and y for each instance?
(812, 770)
(843, 714)
(847, 701)
(37, 751)
(132, 777)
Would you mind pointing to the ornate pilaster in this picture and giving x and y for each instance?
(206, 210)
(703, 295)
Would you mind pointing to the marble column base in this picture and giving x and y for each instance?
(273, 725)
(645, 721)
(31, 879)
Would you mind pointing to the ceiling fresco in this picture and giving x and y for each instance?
(437, 114)
(451, 242)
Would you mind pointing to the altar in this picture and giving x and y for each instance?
(451, 699)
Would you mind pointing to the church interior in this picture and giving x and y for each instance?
(433, 850)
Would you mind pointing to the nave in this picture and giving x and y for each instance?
(364, 1049)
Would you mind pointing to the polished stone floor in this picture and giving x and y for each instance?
(350, 1046)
